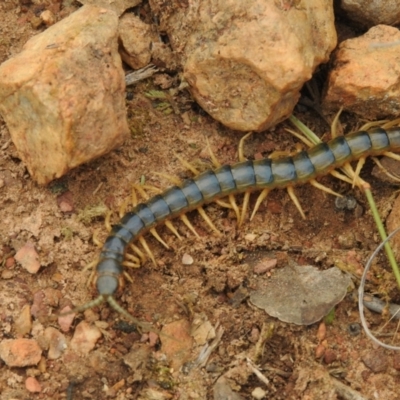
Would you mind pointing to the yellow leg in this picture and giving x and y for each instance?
(128, 277)
(260, 199)
(134, 197)
(172, 228)
(107, 221)
(223, 204)
(133, 259)
(320, 186)
(335, 123)
(139, 252)
(392, 155)
(185, 220)
(340, 176)
(157, 236)
(360, 164)
(385, 171)
(172, 179)
(214, 160)
(235, 207)
(147, 249)
(241, 146)
(295, 200)
(246, 199)
(129, 264)
(208, 221)
(96, 239)
(187, 165)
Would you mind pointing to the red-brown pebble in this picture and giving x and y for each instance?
(20, 352)
(329, 356)
(375, 360)
(32, 385)
(321, 333)
(265, 265)
(320, 351)
(65, 321)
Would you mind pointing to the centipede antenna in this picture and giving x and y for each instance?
(187, 165)
(107, 221)
(241, 147)
(295, 200)
(133, 258)
(96, 239)
(112, 302)
(392, 155)
(214, 159)
(157, 236)
(94, 303)
(246, 199)
(172, 228)
(173, 179)
(385, 171)
(340, 176)
(134, 196)
(208, 221)
(139, 252)
(324, 188)
(383, 123)
(260, 199)
(235, 207)
(147, 249)
(185, 220)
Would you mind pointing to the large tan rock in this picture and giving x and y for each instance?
(246, 60)
(365, 78)
(63, 96)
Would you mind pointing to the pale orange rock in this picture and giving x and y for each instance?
(136, 38)
(20, 352)
(365, 78)
(32, 385)
(28, 257)
(85, 337)
(63, 96)
(246, 61)
(57, 343)
(118, 6)
(176, 342)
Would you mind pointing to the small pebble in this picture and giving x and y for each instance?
(258, 393)
(32, 385)
(375, 360)
(57, 343)
(321, 333)
(28, 257)
(85, 337)
(20, 352)
(329, 356)
(265, 265)
(250, 237)
(23, 323)
(320, 351)
(187, 259)
(396, 361)
(48, 17)
(354, 329)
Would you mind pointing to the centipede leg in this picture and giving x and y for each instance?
(157, 236)
(246, 199)
(324, 188)
(147, 249)
(357, 172)
(95, 238)
(340, 176)
(214, 159)
(172, 228)
(241, 147)
(185, 220)
(385, 171)
(295, 200)
(172, 179)
(107, 221)
(260, 199)
(335, 124)
(133, 260)
(208, 221)
(187, 165)
(138, 252)
(392, 155)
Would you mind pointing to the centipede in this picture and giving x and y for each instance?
(226, 181)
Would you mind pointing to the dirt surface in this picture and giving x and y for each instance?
(299, 362)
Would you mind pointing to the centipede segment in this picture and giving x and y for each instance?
(227, 181)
